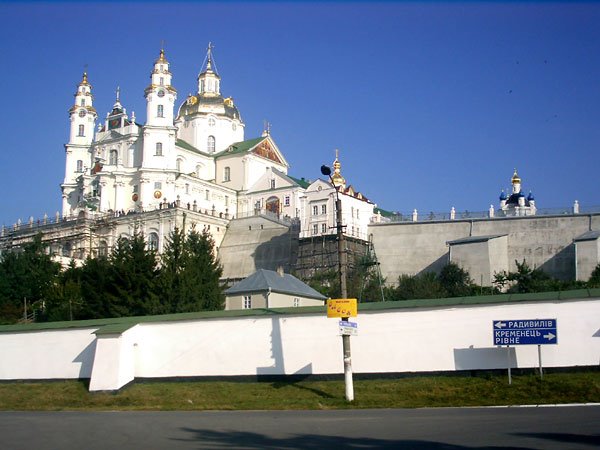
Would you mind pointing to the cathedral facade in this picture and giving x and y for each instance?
(189, 165)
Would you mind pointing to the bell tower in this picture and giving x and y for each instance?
(160, 95)
(78, 159)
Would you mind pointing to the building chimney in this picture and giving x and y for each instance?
(280, 271)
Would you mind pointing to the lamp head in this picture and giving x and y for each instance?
(326, 170)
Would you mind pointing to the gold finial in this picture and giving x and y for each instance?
(84, 80)
(161, 56)
(209, 56)
(515, 178)
(337, 177)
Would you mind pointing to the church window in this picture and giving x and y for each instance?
(247, 302)
(217, 85)
(296, 302)
(83, 102)
(198, 170)
(226, 200)
(357, 210)
(315, 229)
(159, 111)
(227, 174)
(79, 165)
(81, 130)
(187, 188)
(323, 228)
(158, 149)
(162, 81)
(103, 249)
(210, 85)
(178, 164)
(157, 185)
(207, 195)
(136, 188)
(210, 144)
(315, 210)
(273, 183)
(201, 85)
(323, 209)
(113, 157)
(286, 200)
(211, 122)
(153, 242)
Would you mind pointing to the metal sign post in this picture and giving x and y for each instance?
(345, 308)
(525, 332)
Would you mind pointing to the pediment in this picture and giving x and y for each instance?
(268, 150)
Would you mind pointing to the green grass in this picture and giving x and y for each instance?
(412, 392)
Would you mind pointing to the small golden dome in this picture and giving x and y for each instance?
(515, 178)
(161, 57)
(84, 80)
(337, 177)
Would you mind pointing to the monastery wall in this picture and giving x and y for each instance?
(442, 336)
(545, 242)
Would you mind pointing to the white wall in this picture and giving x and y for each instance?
(400, 340)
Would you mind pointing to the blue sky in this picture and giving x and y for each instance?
(432, 105)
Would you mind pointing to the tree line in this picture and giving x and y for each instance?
(365, 284)
(132, 280)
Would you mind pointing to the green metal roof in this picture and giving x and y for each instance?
(241, 147)
(181, 143)
(384, 213)
(118, 325)
(300, 181)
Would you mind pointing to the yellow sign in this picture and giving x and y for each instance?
(342, 307)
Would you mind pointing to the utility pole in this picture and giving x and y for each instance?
(342, 265)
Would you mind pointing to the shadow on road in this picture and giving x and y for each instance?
(247, 440)
(565, 437)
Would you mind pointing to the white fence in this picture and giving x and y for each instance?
(446, 338)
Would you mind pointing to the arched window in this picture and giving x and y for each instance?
(159, 111)
(178, 164)
(158, 151)
(210, 145)
(66, 249)
(81, 130)
(83, 102)
(198, 170)
(226, 174)
(113, 157)
(153, 242)
(79, 166)
(162, 81)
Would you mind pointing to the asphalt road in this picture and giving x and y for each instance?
(565, 427)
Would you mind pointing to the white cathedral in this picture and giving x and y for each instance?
(188, 165)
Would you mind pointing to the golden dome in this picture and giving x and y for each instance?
(84, 80)
(515, 178)
(338, 179)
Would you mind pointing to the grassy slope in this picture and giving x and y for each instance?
(578, 387)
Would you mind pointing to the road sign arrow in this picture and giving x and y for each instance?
(549, 336)
(500, 325)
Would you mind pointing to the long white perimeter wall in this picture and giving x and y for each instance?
(396, 340)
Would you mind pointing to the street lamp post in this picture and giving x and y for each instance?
(342, 265)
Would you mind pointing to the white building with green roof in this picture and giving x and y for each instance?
(189, 164)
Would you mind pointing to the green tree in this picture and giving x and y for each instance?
(455, 281)
(190, 273)
(26, 275)
(133, 275)
(425, 285)
(594, 281)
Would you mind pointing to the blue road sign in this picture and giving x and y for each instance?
(525, 332)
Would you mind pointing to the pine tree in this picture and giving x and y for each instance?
(133, 276)
(190, 273)
(26, 276)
